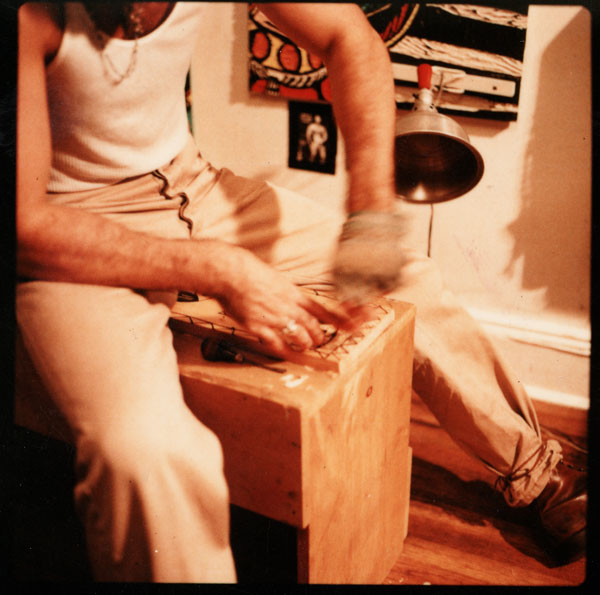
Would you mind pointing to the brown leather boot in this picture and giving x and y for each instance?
(562, 508)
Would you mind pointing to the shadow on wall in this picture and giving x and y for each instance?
(239, 86)
(239, 54)
(552, 232)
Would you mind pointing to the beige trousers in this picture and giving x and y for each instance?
(150, 486)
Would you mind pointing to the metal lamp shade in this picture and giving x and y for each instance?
(434, 159)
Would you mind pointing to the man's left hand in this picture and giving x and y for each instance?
(369, 255)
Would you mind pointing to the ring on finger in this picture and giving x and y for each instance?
(290, 328)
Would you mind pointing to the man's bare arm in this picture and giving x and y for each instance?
(368, 260)
(62, 243)
(362, 90)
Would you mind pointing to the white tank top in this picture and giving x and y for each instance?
(105, 129)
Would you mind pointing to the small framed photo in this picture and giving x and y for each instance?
(312, 137)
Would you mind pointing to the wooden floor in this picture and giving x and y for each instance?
(460, 530)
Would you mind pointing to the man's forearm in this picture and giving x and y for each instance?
(362, 87)
(66, 244)
(363, 99)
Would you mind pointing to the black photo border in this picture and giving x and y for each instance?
(299, 113)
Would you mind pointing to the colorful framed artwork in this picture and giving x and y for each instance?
(280, 68)
(312, 137)
(476, 54)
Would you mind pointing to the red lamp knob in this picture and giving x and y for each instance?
(424, 76)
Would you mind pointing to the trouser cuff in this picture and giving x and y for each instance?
(525, 484)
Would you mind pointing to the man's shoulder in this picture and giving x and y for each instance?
(42, 23)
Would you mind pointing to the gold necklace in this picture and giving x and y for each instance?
(110, 67)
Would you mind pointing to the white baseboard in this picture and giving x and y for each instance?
(552, 360)
(538, 393)
(536, 332)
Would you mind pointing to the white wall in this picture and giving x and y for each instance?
(516, 248)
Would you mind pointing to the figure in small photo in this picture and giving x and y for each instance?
(316, 137)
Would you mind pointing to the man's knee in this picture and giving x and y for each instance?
(152, 448)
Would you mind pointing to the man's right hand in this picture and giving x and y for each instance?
(266, 302)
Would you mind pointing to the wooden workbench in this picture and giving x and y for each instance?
(322, 446)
